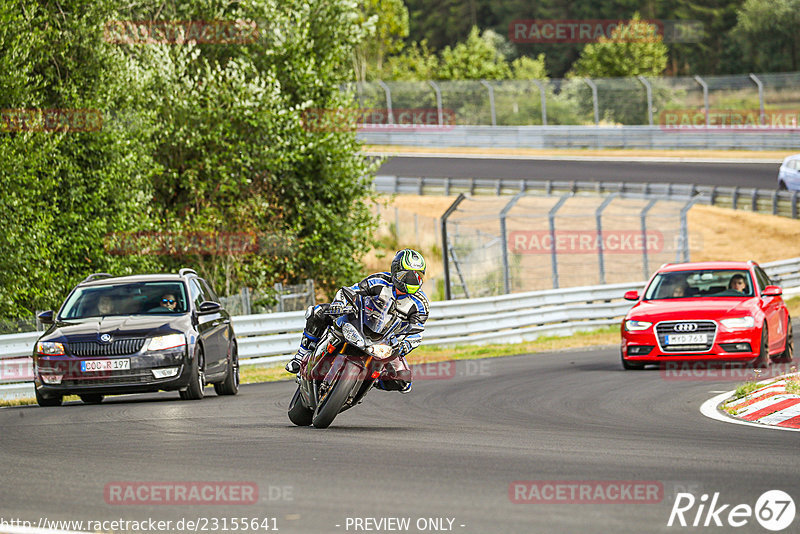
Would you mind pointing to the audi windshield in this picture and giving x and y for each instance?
(125, 299)
(705, 283)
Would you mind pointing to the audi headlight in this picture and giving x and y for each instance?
(738, 322)
(352, 336)
(50, 348)
(170, 341)
(381, 352)
(636, 326)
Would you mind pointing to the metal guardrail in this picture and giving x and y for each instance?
(594, 137)
(503, 319)
(770, 201)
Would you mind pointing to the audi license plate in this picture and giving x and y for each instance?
(686, 339)
(91, 366)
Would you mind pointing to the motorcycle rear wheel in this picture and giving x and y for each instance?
(331, 405)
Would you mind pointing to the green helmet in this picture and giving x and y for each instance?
(408, 271)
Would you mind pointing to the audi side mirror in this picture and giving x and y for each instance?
(46, 317)
(631, 295)
(772, 291)
(208, 307)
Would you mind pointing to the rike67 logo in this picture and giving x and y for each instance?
(774, 510)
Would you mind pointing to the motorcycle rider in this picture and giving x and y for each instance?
(403, 282)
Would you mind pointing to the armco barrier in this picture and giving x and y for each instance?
(503, 319)
(596, 137)
(771, 201)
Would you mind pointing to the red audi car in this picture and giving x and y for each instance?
(709, 311)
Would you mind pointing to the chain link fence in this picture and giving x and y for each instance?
(500, 245)
(717, 100)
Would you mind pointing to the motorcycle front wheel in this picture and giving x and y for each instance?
(330, 406)
(298, 413)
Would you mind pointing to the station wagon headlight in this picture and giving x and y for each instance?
(738, 322)
(50, 348)
(636, 326)
(170, 341)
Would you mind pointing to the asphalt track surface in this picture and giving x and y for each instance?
(449, 449)
(759, 175)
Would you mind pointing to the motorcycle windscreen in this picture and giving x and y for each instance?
(377, 316)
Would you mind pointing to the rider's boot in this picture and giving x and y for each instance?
(307, 346)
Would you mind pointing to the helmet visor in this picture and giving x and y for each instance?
(409, 281)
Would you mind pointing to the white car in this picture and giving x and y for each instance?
(789, 173)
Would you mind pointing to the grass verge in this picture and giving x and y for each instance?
(593, 338)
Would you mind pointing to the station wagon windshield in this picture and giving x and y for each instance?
(701, 283)
(141, 298)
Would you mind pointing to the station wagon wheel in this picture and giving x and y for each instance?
(763, 354)
(788, 348)
(91, 398)
(630, 366)
(43, 401)
(230, 386)
(196, 378)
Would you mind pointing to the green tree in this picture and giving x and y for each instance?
(479, 57)
(416, 63)
(525, 68)
(62, 186)
(768, 31)
(630, 51)
(387, 24)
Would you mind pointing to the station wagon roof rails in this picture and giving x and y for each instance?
(95, 276)
(185, 271)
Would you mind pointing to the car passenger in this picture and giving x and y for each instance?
(168, 304)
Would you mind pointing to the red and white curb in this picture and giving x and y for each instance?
(770, 406)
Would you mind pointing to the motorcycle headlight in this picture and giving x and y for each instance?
(170, 341)
(50, 348)
(352, 336)
(738, 322)
(381, 352)
(637, 326)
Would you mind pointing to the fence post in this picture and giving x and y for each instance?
(312, 296)
(794, 204)
(247, 309)
(649, 90)
(704, 85)
(593, 87)
(438, 101)
(447, 293)
(279, 290)
(491, 100)
(551, 219)
(735, 199)
(760, 86)
(643, 218)
(544, 101)
(685, 228)
(389, 112)
(504, 240)
(598, 215)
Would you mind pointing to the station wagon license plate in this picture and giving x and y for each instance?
(92, 366)
(686, 339)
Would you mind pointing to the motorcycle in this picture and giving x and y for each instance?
(349, 357)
